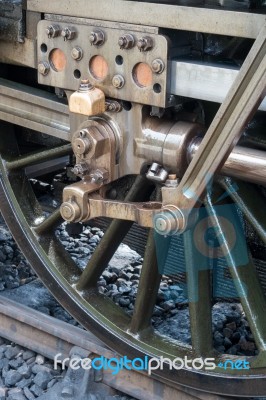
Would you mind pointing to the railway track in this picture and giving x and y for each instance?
(48, 336)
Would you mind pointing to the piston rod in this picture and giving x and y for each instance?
(173, 145)
(243, 163)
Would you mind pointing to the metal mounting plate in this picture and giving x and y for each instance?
(67, 79)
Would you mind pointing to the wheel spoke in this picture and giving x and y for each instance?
(199, 296)
(243, 273)
(149, 283)
(60, 258)
(244, 197)
(25, 197)
(50, 223)
(35, 158)
(112, 238)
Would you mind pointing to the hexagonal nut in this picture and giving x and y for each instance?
(126, 41)
(68, 33)
(81, 169)
(77, 53)
(43, 68)
(118, 81)
(53, 31)
(145, 43)
(157, 66)
(97, 140)
(91, 141)
(99, 175)
(97, 38)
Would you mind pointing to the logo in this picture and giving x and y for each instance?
(145, 364)
(215, 242)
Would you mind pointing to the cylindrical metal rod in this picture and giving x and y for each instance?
(35, 158)
(243, 163)
(173, 145)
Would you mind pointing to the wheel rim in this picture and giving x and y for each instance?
(100, 315)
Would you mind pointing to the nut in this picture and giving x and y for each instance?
(53, 31)
(81, 169)
(91, 142)
(157, 66)
(99, 175)
(43, 68)
(145, 43)
(85, 86)
(113, 106)
(77, 53)
(97, 38)
(68, 33)
(70, 211)
(118, 81)
(126, 42)
(81, 146)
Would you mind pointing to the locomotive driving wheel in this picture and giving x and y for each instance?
(134, 336)
(214, 235)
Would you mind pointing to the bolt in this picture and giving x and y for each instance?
(171, 181)
(172, 177)
(43, 68)
(97, 38)
(170, 221)
(97, 177)
(157, 66)
(80, 169)
(70, 211)
(113, 106)
(155, 168)
(68, 33)
(118, 81)
(77, 53)
(126, 42)
(53, 31)
(85, 86)
(161, 225)
(145, 43)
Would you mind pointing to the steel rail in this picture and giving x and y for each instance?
(49, 336)
(220, 22)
